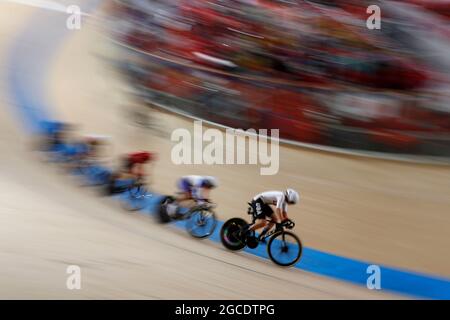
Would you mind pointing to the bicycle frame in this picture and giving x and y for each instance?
(277, 227)
(198, 207)
(140, 191)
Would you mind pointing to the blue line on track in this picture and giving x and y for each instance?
(29, 63)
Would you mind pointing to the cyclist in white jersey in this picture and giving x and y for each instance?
(192, 187)
(196, 187)
(261, 206)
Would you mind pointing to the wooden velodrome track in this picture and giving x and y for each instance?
(384, 212)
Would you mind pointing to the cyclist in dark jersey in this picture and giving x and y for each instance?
(132, 167)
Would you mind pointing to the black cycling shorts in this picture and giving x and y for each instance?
(261, 210)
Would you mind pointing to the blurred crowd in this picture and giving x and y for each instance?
(310, 68)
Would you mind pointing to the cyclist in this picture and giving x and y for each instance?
(92, 146)
(261, 209)
(60, 140)
(55, 135)
(87, 151)
(132, 167)
(192, 187)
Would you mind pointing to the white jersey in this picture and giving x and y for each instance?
(276, 198)
(195, 182)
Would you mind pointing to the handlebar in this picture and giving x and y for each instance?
(208, 205)
(205, 203)
(288, 224)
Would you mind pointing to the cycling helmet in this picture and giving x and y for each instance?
(292, 196)
(209, 182)
(142, 157)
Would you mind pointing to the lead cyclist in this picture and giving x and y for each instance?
(261, 206)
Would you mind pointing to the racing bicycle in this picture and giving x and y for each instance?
(283, 247)
(200, 219)
(135, 196)
(133, 193)
(92, 172)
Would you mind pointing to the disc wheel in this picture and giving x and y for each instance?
(162, 211)
(229, 234)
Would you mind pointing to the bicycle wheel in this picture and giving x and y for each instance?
(99, 176)
(284, 248)
(229, 234)
(135, 199)
(201, 223)
(162, 211)
(83, 174)
(94, 175)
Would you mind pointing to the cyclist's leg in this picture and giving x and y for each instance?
(199, 195)
(283, 217)
(183, 194)
(269, 225)
(259, 223)
(137, 170)
(123, 170)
